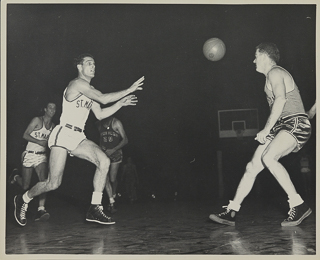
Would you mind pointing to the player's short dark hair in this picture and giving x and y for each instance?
(80, 58)
(50, 102)
(270, 49)
(45, 105)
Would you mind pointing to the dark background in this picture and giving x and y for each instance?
(175, 120)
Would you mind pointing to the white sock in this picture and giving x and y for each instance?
(96, 198)
(234, 206)
(26, 198)
(111, 200)
(295, 200)
(41, 208)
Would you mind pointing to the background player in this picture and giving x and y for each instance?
(34, 157)
(112, 139)
(287, 130)
(79, 98)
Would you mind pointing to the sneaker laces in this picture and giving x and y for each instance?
(226, 212)
(23, 211)
(292, 213)
(100, 209)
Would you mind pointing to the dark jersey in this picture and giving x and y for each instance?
(109, 138)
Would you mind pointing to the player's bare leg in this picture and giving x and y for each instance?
(91, 152)
(57, 163)
(108, 187)
(114, 167)
(269, 154)
(283, 144)
(253, 168)
(42, 172)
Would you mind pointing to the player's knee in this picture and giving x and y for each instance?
(112, 178)
(103, 163)
(269, 159)
(25, 186)
(53, 184)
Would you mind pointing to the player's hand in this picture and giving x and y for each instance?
(136, 86)
(109, 152)
(262, 136)
(130, 100)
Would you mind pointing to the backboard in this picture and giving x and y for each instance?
(235, 121)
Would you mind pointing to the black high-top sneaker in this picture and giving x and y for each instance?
(111, 208)
(297, 215)
(42, 215)
(96, 214)
(20, 210)
(227, 217)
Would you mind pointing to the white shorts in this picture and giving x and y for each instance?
(66, 138)
(32, 159)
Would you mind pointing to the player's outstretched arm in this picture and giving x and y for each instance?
(106, 98)
(111, 97)
(102, 113)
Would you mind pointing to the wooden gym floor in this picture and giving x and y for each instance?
(161, 228)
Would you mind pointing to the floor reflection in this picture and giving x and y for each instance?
(298, 239)
(161, 228)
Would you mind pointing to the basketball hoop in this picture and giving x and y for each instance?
(233, 119)
(239, 133)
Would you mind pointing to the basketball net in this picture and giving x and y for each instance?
(239, 133)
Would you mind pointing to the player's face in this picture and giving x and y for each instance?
(88, 67)
(259, 61)
(50, 110)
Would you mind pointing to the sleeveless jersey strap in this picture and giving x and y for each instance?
(64, 96)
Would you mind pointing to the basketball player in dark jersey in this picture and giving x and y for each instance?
(287, 130)
(79, 98)
(112, 139)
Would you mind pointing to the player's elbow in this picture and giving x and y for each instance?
(98, 114)
(100, 100)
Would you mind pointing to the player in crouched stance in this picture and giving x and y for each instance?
(287, 130)
(79, 98)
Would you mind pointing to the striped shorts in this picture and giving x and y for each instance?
(298, 125)
(116, 157)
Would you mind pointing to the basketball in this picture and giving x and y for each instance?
(214, 49)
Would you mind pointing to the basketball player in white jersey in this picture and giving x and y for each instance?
(34, 157)
(79, 98)
(287, 130)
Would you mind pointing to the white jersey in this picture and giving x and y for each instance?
(75, 112)
(41, 134)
